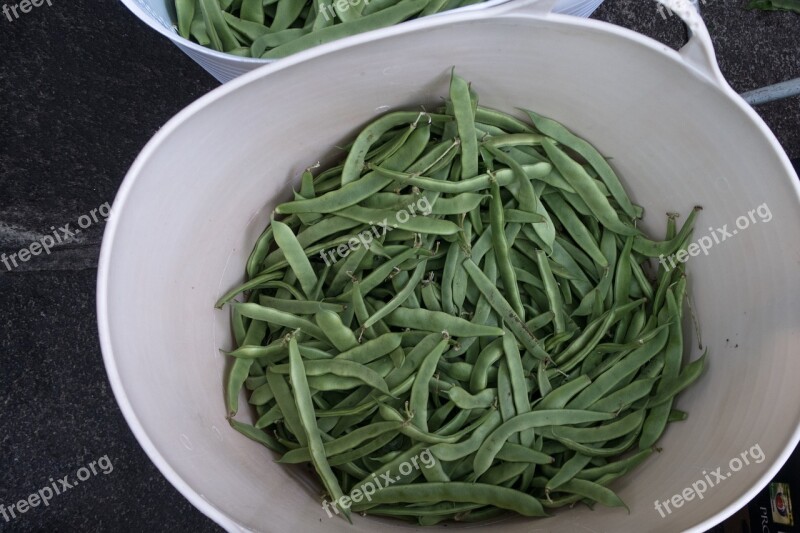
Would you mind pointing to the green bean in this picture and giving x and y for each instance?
(340, 368)
(236, 378)
(627, 366)
(560, 396)
(676, 415)
(522, 454)
(257, 435)
(241, 367)
(400, 298)
(379, 275)
(367, 449)
(641, 280)
(516, 374)
(261, 395)
(657, 419)
(458, 204)
(571, 468)
(552, 292)
(246, 30)
(430, 296)
(425, 320)
(436, 510)
(599, 451)
(601, 332)
(340, 335)
(465, 400)
(480, 493)
(439, 416)
(605, 432)
(576, 229)
(419, 391)
(184, 10)
(465, 121)
(252, 10)
(453, 452)
(299, 307)
(593, 491)
(500, 248)
(617, 467)
(413, 432)
(343, 444)
(559, 133)
(199, 31)
(649, 248)
(336, 200)
(587, 189)
(372, 349)
(500, 474)
(389, 16)
(689, 375)
(313, 235)
(413, 223)
(533, 419)
(624, 397)
(269, 417)
(296, 257)
(385, 151)
(504, 121)
(305, 409)
(504, 309)
(221, 36)
(478, 183)
(448, 275)
(480, 370)
(455, 426)
(460, 283)
(283, 398)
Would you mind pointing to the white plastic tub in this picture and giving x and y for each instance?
(202, 190)
(160, 15)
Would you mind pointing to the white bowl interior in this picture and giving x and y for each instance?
(201, 192)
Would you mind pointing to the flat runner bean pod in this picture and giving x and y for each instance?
(425, 320)
(480, 493)
(305, 409)
(587, 189)
(341, 368)
(533, 419)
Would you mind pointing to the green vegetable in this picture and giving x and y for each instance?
(775, 5)
(465, 305)
(271, 29)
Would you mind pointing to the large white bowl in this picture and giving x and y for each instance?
(160, 15)
(195, 200)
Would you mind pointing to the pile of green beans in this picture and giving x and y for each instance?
(516, 326)
(271, 29)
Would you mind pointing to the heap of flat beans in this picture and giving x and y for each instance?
(469, 286)
(271, 29)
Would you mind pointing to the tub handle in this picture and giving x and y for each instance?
(697, 52)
